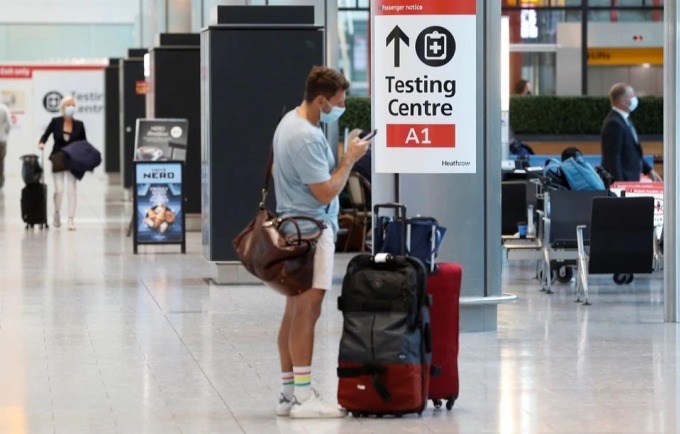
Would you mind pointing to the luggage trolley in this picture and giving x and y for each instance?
(563, 211)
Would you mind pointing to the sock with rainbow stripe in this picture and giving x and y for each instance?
(303, 382)
(288, 384)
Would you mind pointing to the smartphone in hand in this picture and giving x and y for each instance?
(368, 135)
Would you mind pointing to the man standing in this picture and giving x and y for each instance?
(308, 183)
(5, 126)
(621, 148)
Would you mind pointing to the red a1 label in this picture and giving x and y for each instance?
(421, 136)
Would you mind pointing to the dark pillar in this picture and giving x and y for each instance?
(250, 72)
(112, 117)
(175, 92)
(132, 107)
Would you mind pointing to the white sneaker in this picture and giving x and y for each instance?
(57, 220)
(71, 225)
(284, 405)
(313, 408)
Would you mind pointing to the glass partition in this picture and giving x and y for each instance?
(536, 44)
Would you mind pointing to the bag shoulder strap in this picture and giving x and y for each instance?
(267, 175)
(270, 164)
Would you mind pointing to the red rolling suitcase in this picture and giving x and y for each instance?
(444, 288)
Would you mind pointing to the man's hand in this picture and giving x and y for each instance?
(357, 148)
(41, 146)
(655, 176)
(326, 191)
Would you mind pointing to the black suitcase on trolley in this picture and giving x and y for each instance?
(385, 350)
(34, 205)
(443, 286)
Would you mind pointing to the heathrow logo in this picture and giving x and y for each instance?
(52, 100)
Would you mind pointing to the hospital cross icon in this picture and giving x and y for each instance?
(435, 46)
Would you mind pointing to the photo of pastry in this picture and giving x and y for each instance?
(159, 218)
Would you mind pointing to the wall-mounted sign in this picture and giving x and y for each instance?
(625, 56)
(158, 203)
(141, 87)
(425, 73)
(33, 94)
(528, 28)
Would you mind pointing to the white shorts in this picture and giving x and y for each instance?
(323, 260)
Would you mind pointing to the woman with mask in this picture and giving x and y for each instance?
(65, 130)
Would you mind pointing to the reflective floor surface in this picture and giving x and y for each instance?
(94, 339)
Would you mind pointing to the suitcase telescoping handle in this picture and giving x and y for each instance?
(435, 239)
(399, 213)
(399, 208)
(382, 258)
(42, 163)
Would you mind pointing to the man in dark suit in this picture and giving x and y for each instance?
(621, 149)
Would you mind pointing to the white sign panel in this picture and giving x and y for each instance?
(86, 85)
(33, 93)
(425, 91)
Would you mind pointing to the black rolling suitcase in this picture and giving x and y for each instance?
(33, 195)
(385, 350)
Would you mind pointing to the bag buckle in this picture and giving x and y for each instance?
(264, 198)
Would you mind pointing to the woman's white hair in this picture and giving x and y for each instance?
(64, 101)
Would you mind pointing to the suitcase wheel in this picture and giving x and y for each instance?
(437, 403)
(623, 278)
(564, 274)
(449, 403)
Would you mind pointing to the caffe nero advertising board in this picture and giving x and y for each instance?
(159, 199)
(161, 139)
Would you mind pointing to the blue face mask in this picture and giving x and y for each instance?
(634, 101)
(69, 111)
(333, 115)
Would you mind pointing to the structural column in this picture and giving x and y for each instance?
(178, 16)
(164, 16)
(671, 160)
(468, 204)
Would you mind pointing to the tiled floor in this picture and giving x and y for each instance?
(94, 339)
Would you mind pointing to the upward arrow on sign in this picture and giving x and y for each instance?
(397, 35)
